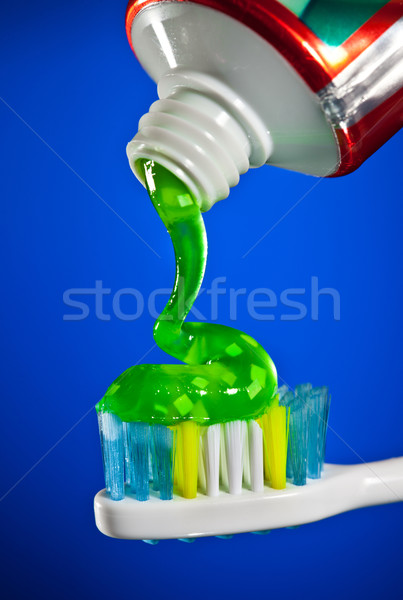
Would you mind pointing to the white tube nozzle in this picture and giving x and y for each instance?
(203, 133)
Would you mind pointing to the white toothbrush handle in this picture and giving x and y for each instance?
(374, 483)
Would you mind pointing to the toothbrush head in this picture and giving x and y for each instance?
(224, 478)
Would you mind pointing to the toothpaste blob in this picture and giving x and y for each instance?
(228, 376)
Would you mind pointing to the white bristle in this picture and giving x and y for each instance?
(255, 439)
(246, 460)
(211, 453)
(223, 459)
(234, 444)
(201, 465)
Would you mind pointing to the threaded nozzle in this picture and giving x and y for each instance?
(203, 134)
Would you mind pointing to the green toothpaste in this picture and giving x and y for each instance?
(227, 375)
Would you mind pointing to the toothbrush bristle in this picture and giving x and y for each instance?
(223, 460)
(246, 457)
(275, 432)
(138, 436)
(234, 433)
(163, 456)
(318, 416)
(287, 443)
(211, 456)
(309, 412)
(111, 433)
(190, 433)
(298, 442)
(255, 442)
(287, 399)
(202, 481)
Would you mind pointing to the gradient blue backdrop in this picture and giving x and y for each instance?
(72, 94)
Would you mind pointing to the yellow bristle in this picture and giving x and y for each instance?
(178, 462)
(188, 458)
(275, 432)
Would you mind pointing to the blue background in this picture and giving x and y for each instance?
(68, 72)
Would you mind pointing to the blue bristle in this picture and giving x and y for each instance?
(154, 477)
(111, 434)
(282, 390)
(129, 470)
(287, 400)
(130, 478)
(325, 425)
(127, 455)
(138, 435)
(152, 469)
(163, 442)
(298, 440)
(299, 437)
(302, 391)
(317, 428)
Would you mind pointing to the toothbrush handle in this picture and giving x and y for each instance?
(380, 482)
